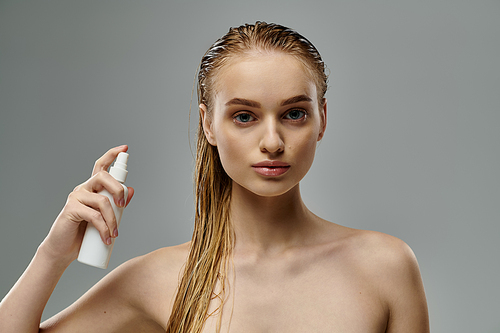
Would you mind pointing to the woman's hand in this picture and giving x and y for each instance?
(85, 205)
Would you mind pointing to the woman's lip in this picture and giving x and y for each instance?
(271, 168)
(271, 164)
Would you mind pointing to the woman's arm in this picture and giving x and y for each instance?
(22, 307)
(129, 299)
(405, 291)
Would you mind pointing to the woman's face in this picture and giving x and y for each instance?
(266, 122)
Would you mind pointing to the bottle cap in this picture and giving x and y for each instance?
(119, 169)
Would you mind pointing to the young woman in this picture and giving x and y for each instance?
(259, 260)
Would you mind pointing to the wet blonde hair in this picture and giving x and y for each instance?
(213, 236)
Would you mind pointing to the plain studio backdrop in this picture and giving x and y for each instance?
(411, 148)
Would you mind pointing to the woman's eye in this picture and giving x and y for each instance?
(295, 115)
(244, 118)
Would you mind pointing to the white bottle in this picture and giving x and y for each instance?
(93, 251)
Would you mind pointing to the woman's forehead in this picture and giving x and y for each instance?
(260, 59)
(263, 76)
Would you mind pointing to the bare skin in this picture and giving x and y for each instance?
(292, 271)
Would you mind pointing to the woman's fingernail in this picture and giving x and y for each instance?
(121, 202)
(108, 240)
(115, 233)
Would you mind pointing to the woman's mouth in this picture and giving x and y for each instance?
(271, 168)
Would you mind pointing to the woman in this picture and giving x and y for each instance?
(259, 260)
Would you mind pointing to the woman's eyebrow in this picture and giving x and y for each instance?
(242, 101)
(254, 104)
(296, 99)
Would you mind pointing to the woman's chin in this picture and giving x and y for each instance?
(268, 190)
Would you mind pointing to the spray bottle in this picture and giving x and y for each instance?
(93, 251)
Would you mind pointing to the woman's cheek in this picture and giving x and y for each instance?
(232, 152)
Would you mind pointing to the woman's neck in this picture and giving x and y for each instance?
(269, 225)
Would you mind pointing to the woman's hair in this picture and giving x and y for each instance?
(213, 237)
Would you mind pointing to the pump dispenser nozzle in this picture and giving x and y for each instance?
(119, 169)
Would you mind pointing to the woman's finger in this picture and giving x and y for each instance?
(131, 192)
(104, 181)
(105, 160)
(90, 215)
(102, 205)
(96, 209)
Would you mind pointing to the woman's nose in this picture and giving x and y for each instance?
(271, 140)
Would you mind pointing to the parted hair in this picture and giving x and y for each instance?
(213, 236)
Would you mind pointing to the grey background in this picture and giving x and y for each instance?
(411, 147)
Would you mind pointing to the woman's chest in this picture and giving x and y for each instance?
(290, 299)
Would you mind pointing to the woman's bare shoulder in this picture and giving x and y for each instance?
(387, 263)
(367, 245)
(392, 267)
(386, 252)
(162, 264)
(157, 273)
(167, 258)
(138, 292)
(374, 254)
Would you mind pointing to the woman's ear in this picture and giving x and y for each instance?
(206, 120)
(322, 112)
